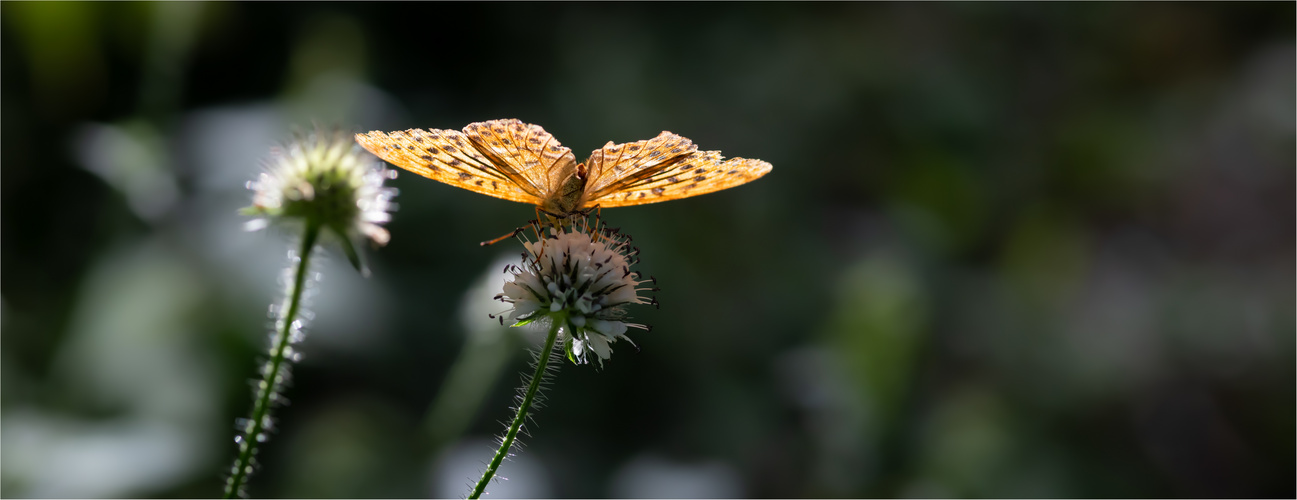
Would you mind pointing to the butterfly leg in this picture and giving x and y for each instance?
(511, 234)
(553, 219)
(597, 211)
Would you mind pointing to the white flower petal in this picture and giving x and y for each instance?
(522, 308)
(609, 328)
(599, 344)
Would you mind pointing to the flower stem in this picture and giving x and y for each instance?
(527, 398)
(253, 433)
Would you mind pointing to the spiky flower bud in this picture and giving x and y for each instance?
(578, 275)
(326, 180)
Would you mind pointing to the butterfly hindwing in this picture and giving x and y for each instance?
(700, 172)
(617, 164)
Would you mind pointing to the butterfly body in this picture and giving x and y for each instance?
(521, 162)
(569, 198)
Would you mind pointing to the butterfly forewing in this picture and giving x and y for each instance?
(447, 156)
(698, 173)
(616, 164)
(525, 149)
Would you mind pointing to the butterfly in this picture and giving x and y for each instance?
(521, 162)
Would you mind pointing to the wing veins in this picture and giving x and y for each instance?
(460, 155)
(505, 167)
(630, 179)
(679, 181)
(548, 168)
(638, 163)
(429, 153)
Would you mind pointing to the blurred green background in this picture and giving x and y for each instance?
(1007, 250)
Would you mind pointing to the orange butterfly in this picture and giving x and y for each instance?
(521, 162)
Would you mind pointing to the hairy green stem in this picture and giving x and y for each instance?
(522, 408)
(256, 426)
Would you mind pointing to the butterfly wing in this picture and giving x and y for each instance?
(667, 167)
(447, 156)
(698, 173)
(616, 164)
(521, 162)
(477, 159)
(525, 150)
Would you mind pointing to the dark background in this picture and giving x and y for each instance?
(1007, 250)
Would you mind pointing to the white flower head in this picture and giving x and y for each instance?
(325, 179)
(578, 275)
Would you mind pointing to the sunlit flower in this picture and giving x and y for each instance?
(327, 180)
(580, 276)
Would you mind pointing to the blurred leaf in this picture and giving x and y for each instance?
(61, 43)
(878, 327)
(131, 158)
(967, 444)
(940, 201)
(357, 447)
(1046, 255)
